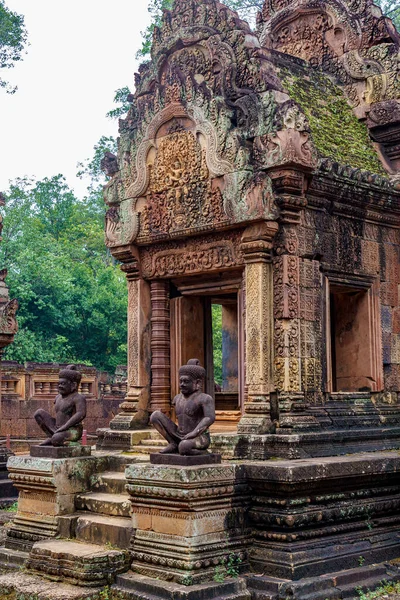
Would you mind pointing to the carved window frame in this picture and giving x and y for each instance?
(370, 285)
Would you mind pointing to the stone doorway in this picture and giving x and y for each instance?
(206, 323)
(354, 347)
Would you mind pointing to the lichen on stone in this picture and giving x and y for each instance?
(335, 129)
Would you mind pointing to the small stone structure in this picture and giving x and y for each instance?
(257, 172)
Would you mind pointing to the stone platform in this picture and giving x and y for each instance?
(24, 585)
(47, 489)
(77, 563)
(131, 586)
(188, 520)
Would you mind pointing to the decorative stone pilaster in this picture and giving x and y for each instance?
(160, 347)
(134, 410)
(256, 247)
(47, 489)
(297, 333)
(189, 521)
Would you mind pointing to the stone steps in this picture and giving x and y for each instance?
(103, 529)
(115, 505)
(133, 586)
(112, 482)
(153, 442)
(78, 563)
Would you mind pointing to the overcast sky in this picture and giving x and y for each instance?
(80, 52)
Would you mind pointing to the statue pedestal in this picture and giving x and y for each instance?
(185, 461)
(189, 522)
(60, 451)
(47, 489)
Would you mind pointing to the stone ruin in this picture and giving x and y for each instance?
(256, 171)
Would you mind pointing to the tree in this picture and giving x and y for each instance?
(391, 8)
(13, 38)
(73, 298)
(247, 10)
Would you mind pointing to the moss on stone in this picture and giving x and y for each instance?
(335, 129)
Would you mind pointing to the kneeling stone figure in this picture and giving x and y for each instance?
(195, 412)
(70, 409)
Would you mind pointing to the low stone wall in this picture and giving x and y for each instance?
(25, 388)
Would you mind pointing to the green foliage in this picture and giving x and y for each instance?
(121, 98)
(72, 296)
(216, 314)
(391, 8)
(336, 131)
(155, 8)
(219, 575)
(12, 508)
(233, 565)
(386, 587)
(91, 166)
(187, 580)
(230, 568)
(13, 38)
(247, 10)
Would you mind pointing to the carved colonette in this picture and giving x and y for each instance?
(134, 408)
(160, 347)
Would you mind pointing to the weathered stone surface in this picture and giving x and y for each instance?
(77, 563)
(188, 520)
(95, 529)
(184, 461)
(47, 489)
(26, 586)
(117, 505)
(59, 451)
(132, 586)
(313, 516)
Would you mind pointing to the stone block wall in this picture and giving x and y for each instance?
(26, 388)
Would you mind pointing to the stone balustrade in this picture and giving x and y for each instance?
(27, 387)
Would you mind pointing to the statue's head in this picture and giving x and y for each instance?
(69, 380)
(191, 377)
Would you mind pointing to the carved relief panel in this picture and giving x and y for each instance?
(181, 195)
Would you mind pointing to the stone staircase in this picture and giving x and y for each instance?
(102, 515)
(152, 443)
(94, 544)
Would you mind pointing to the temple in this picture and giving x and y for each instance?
(254, 207)
(256, 175)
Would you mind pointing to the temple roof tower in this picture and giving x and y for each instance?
(356, 45)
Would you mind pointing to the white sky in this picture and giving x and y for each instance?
(80, 52)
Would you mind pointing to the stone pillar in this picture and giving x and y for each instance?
(134, 410)
(160, 347)
(259, 327)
